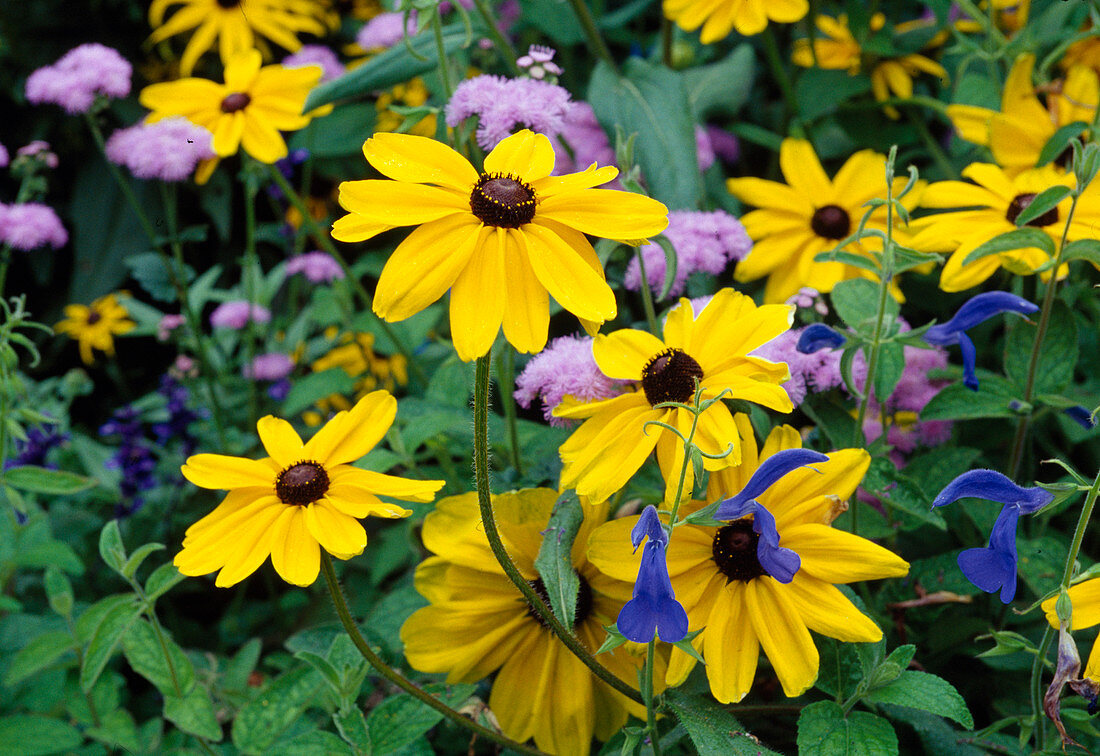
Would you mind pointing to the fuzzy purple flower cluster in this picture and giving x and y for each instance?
(316, 55)
(565, 368)
(704, 241)
(31, 225)
(385, 30)
(316, 266)
(168, 150)
(78, 76)
(237, 313)
(504, 106)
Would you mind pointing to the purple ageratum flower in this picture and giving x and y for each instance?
(704, 150)
(704, 242)
(974, 311)
(167, 324)
(168, 150)
(4, 158)
(316, 55)
(565, 367)
(654, 608)
(317, 267)
(39, 150)
(582, 142)
(31, 225)
(818, 336)
(994, 566)
(819, 371)
(237, 313)
(385, 30)
(82, 73)
(725, 145)
(269, 367)
(504, 106)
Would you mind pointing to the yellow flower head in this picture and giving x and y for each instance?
(500, 240)
(1085, 597)
(739, 607)
(810, 214)
(712, 348)
(411, 94)
(301, 498)
(247, 111)
(719, 17)
(95, 326)
(238, 25)
(477, 622)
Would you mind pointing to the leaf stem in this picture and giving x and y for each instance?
(647, 694)
(592, 33)
(506, 370)
(500, 42)
(647, 294)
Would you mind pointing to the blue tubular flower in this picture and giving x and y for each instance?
(1081, 416)
(817, 337)
(974, 311)
(654, 607)
(994, 566)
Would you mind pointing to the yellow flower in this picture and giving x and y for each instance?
(411, 94)
(612, 443)
(477, 622)
(301, 498)
(238, 25)
(247, 111)
(810, 215)
(499, 240)
(1017, 133)
(719, 17)
(1085, 597)
(95, 326)
(739, 607)
(355, 355)
(1084, 52)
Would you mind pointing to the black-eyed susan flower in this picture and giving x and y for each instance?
(237, 25)
(711, 349)
(95, 326)
(728, 591)
(1085, 597)
(248, 111)
(810, 214)
(477, 623)
(500, 240)
(302, 498)
(719, 17)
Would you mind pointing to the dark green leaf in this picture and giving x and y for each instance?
(722, 87)
(135, 560)
(261, 722)
(712, 728)
(193, 713)
(42, 651)
(352, 726)
(957, 402)
(819, 91)
(901, 494)
(856, 302)
(1044, 202)
(111, 549)
(108, 633)
(1020, 238)
(888, 369)
(308, 389)
(59, 591)
(41, 480)
(321, 664)
(150, 270)
(31, 735)
(1082, 249)
(162, 580)
(1057, 357)
(554, 563)
(401, 719)
(823, 730)
(117, 729)
(920, 690)
(1059, 141)
(149, 655)
(340, 133)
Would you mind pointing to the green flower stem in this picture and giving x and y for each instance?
(687, 461)
(779, 70)
(441, 52)
(322, 238)
(647, 295)
(506, 371)
(251, 264)
(500, 42)
(592, 34)
(647, 694)
(400, 680)
(481, 477)
(939, 157)
(5, 260)
(120, 180)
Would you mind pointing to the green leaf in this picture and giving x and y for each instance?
(34, 479)
(888, 370)
(907, 259)
(902, 494)
(261, 722)
(1020, 238)
(117, 729)
(308, 389)
(111, 549)
(1044, 202)
(39, 654)
(238, 669)
(193, 713)
(712, 728)
(833, 420)
(850, 258)
(1057, 358)
(90, 618)
(924, 691)
(652, 101)
(1059, 141)
(135, 560)
(30, 735)
(59, 591)
(1082, 249)
(49, 554)
(106, 638)
(162, 580)
(721, 88)
(957, 402)
(147, 657)
(819, 91)
(321, 664)
(856, 302)
(554, 563)
(149, 269)
(823, 730)
(341, 132)
(352, 726)
(401, 719)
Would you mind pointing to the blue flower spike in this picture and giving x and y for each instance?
(993, 567)
(817, 337)
(654, 608)
(975, 310)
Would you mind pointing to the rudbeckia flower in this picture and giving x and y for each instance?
(810, 214)
(237, 25)
(247, 111)
(728, 591)
(654, 608)
(719, 17)
(477, 623)
(304, 497)
(95, 326)
(500, 240)
(1085, 597)
(711, 348)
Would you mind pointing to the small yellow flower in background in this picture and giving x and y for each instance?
(810, 214)
(739, 607)
(238, 25)
(478, 622)
(1018, 132)
(248, 111)
(355, 355)
(711, 347)
(1085, 597)
(719, 17)
(1084, 52)
(411, 94)
(501, 241)
(301, 498)
(95, 326)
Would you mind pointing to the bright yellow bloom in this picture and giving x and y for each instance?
(810, 214)
(1085, 52)
(712, 348)
(740, 607)
(719, 17)
(499, 240)
(1085, 597)
(1017, 133)
(477, 622)
(301, 498)
(247, 111)
(355, 355)
(238, 25)
(95, 326)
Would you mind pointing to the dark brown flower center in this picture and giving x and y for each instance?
(235, 101)
(502, 201)
(734, 551)
(94, 317)
(229, 3)
(584, 601)
(831, 222)
(301, 483)
(670, 377)
(1019, 204)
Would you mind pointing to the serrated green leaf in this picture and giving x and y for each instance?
(261, 722)
(849, 258)
(39, 654)
(111, 549)
(401, 719)
(957, 402)
(1020, 238)
(352, 726)
(888, 369)
(193, 713)
(1057, 357)
(712, 728)
(856, 302)
(823, 730)
(901, 494)
(34, 479)
(321, 664)
(139, 556)
(108, 634)
(146, 655)
(33, 735)
(921, 690)
(555, 563)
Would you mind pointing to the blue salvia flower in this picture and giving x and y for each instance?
(1081, 416)
(817, 337)
(993, 567)
(974, 311)
(654, 607)
(134, 459)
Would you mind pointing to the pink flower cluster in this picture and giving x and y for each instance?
(31, 225)
(816, 372)
(168, 150)
(504, 106)
(316, 55)
(237, 313)
(384, 31)
(565, 367)
(78, 76)
(316, 266)
(585, 139)
(273, 366)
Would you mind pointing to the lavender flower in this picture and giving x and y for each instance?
(168, 150)
(4, 159)
(237, 313)
(816, 372)
(180, 416)
(704, 151)
(34, 450)
(725, 145)
(39, 151)
(504, 106)
(582, 142)
(31, 225)
(703, 241)
(317, 267)
(316, 55)
(565, 367)
(167, 324)
(385, 30)
(539, 63)
(269, 367)
(82, 73)
(654, 608)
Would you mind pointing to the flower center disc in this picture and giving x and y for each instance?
(670, 377)
(235, 101)
(831, 222)
(94, 317)
(227, 4)
(584, 601)
(734, 551)
(302, 483)
(1019, 204)
(502, 201)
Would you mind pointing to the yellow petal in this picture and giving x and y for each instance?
(478, 298)
(387, 485)
(527, 303)
(607, 449)
(227, 133)
(524, 154)
(826, 610)
(770, 194)
(400, 204)
(295, 553)
(340, 535)
(567, 276)
(782, 633)
(624, 353)
(1086, 605)
(281, 442)
(795, 498)
(730, 646)
(252, 545)
(221, 471)
(803, 171)
(835, 556)
(350, 435)
(606, 212)
(416, 159)
(261, 139)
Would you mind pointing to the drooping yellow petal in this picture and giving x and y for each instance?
(350, 435)
(731, 645)
(794, 498)
(340, 535)
(387, 485)
(616, 447)
(251, 547)
(527, 303)
(835, 556)
(220, 471)
(359, 502)
(420, 160)
(826, 610)
(567, 276)
(295, 553)
(260, 139)
(782, 633)
(478, 299)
